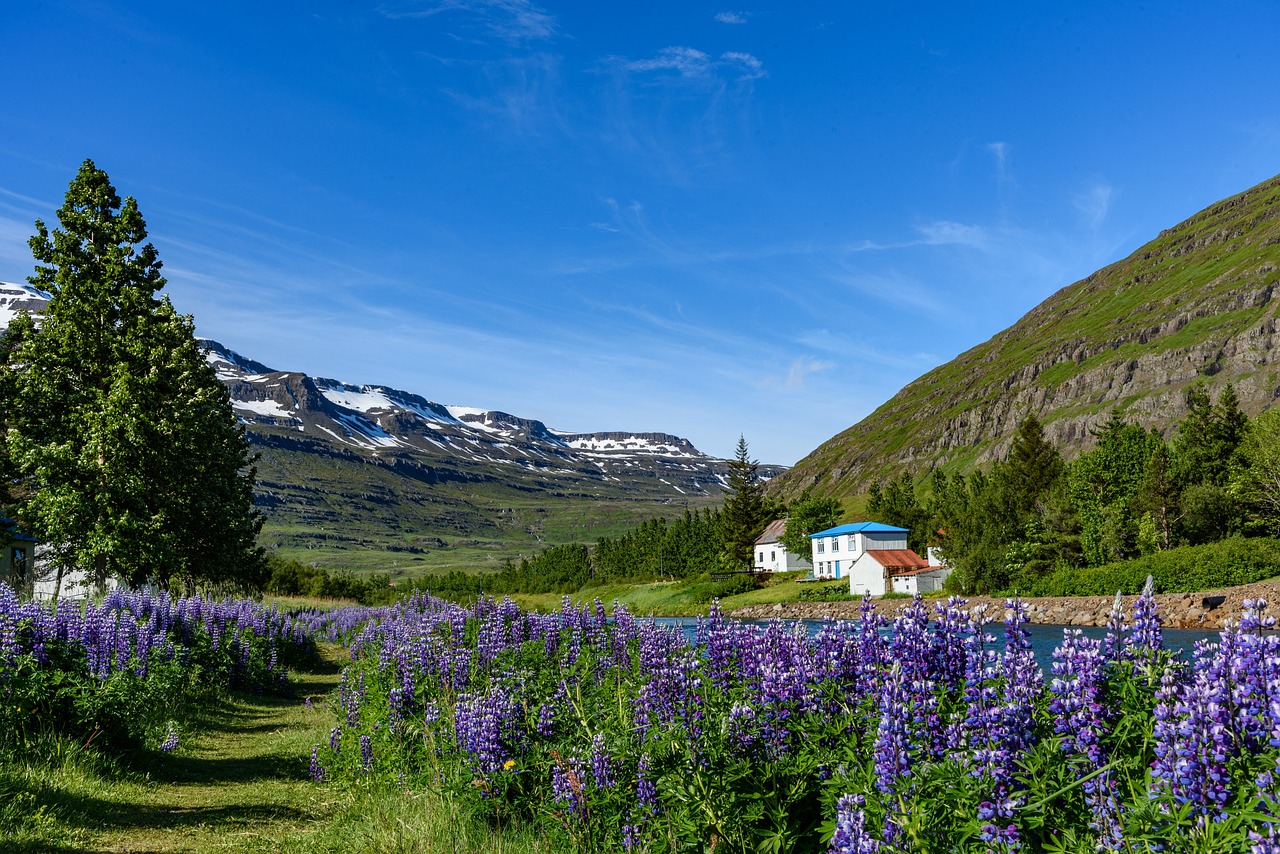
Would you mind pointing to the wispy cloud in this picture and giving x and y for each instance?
(1094, 204)
(690, 62)
(521, 93)
(1000, 154)
(800, 368)
(946, 233)
(752, 68)
(732, 17)
(686, 60)
(512, 20)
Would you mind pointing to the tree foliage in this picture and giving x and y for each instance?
(896, 503)
(807, 516)
(1255, 480)
(122, 439)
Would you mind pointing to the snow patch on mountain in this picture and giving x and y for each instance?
(15, 298)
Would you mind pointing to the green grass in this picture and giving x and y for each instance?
(239, 782)
(667, 598)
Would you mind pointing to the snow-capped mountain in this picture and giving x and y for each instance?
(377, 420)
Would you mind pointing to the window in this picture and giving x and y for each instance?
(761, 558)
(821, 545)
(773, 556)
(835, 543)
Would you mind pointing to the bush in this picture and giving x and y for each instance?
(831, 592)
(1188, 569)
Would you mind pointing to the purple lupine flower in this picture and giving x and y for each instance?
(1082, 719)
(317, 770)
(851, 835)
(487, 729)
(171, 740)
(335, 739)
(630, 836)
(893, 736)
(566, 785)
(603, 767)
(366, 753)
(546, 720)
(1145, 638)
(743, 730)
(646, 792)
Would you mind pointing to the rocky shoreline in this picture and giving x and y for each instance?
(1208, 610)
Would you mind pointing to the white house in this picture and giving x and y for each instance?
(921, 579)
(875, 559)
(772, 555)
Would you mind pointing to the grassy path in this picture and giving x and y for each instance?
(238, 782)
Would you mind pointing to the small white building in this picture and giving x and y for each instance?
(921, 579)
(772, 556)
(875, 559)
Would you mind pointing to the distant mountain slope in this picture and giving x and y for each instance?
(1197, 303)
(369, 475)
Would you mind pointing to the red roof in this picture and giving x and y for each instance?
(899, 573)
(898, 561)
(772, 532)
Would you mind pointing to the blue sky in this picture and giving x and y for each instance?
(700, 219)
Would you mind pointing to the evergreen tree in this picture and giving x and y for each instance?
(1208, 437)
(1158, 493)
(746, 510)
(1033, 467)
(120, 433)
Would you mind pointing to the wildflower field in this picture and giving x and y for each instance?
(939, 734)
(588, 731)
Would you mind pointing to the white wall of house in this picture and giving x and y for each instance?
(773, 557)
(838, 555)
(921, 582)
(866, 574)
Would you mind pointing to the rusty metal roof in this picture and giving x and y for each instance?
(772, 532)
(893, 560)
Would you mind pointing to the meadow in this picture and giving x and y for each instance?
(489, 727)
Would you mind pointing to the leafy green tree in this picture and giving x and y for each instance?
(808, 516)
(123, 439)
(1255, 480)
(896, 503)
(1103, 485)
(746, 510)
(1158, 494)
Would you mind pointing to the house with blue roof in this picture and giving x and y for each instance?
(876, 560)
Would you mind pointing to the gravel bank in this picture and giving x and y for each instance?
(1208, 609)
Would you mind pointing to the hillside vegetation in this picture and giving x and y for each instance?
(1198, 303)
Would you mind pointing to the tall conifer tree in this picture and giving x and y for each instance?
(746, 509)
(130, 458)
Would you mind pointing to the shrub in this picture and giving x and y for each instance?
(1226, 563)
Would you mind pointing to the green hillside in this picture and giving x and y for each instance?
(1198, 303)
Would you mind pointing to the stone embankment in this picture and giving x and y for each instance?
(1209, 609)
